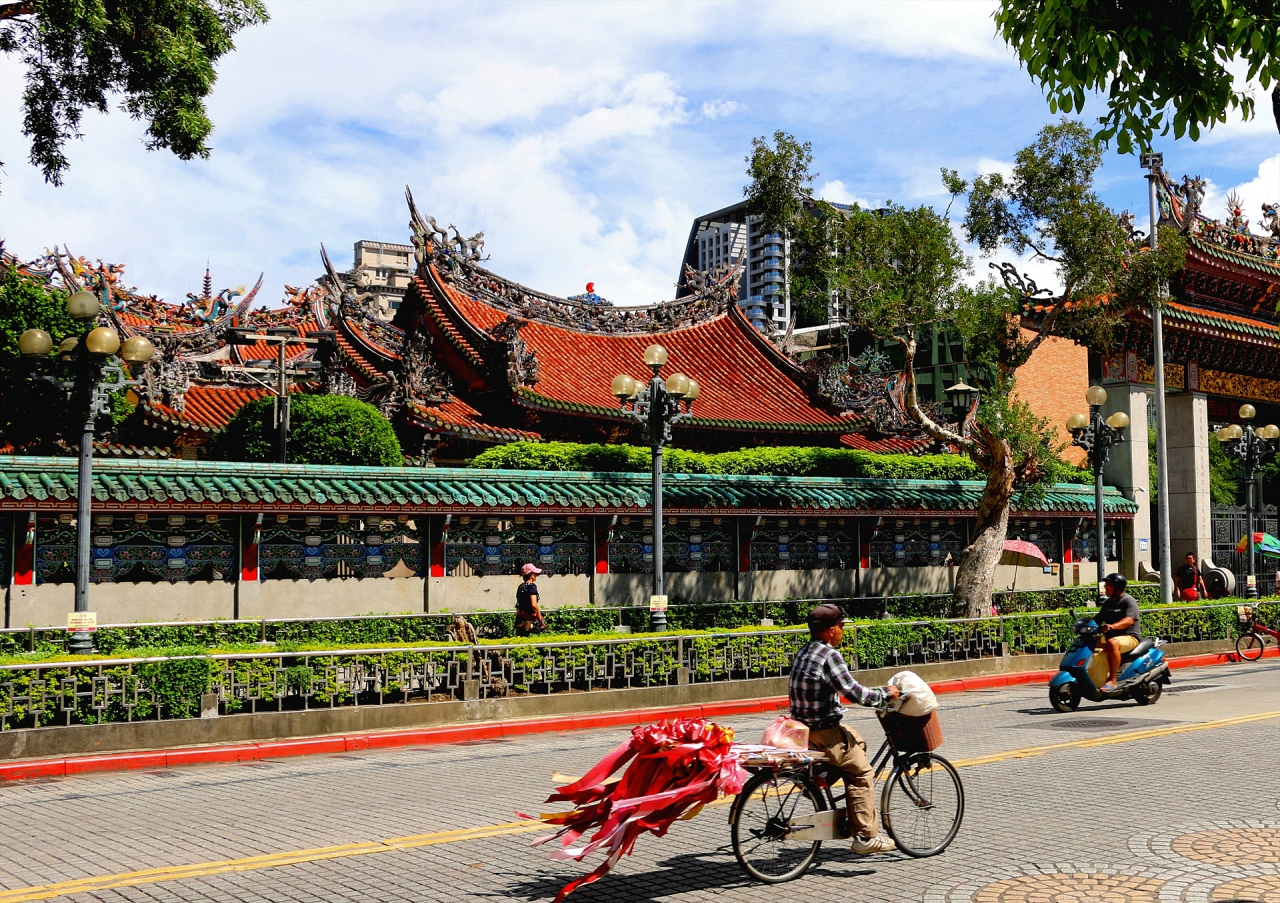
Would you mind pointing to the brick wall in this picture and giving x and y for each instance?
(1053, 382)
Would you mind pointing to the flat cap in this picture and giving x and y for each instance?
(826, 615)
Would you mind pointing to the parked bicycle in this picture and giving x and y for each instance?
(1252, 641)
(783, 814)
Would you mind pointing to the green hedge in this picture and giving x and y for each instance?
(171, 687)
(777, 461)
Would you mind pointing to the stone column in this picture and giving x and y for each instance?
(1190, 507)
(1127, 470)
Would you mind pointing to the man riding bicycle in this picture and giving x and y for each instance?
(819, 677)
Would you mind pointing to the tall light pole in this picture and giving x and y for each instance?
(280, 372)
(87, 372)
(657, 405)
(1252, 445)
(1152, 163)
(1097, 436)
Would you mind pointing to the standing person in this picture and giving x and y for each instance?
(1190, 581)
(528, 613)
(819, 677)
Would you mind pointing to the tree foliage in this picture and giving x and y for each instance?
(323, 429)
(158, 54)
(795, 461)
(1162, 66)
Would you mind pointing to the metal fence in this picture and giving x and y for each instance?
(132, 689)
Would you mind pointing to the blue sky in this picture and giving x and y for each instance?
(582, 138)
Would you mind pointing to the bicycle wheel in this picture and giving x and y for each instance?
(760, 823)
(1250, 646)
(922, 804)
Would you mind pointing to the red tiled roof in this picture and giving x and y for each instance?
(745, 383)
(455, 415)
(890, 445)
(207, 408)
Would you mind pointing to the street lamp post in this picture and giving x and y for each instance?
(1152, 162)
(87, 372)
(657, 405)
(1252, 445)
(280, 372)
(1097, 436)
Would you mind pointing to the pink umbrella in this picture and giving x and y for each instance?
(1016, 547)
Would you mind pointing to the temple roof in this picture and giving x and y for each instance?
(50, 483)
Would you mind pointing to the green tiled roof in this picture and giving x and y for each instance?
(44, 483)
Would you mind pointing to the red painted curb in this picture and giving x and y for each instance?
(489, 730)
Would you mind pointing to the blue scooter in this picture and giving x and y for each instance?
(1143, 672)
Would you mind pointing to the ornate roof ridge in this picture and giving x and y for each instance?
(1180, 204)
(458, 260)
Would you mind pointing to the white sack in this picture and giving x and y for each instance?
(918, 698)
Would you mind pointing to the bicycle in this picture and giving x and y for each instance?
(1251, 644)
(779, 820)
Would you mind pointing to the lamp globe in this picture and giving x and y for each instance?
(1096, 395)
(1270, 431)
(1077, 422)
(655, 356)
(694, 390)
(137, 349)
(1118, 421)
(68, 346)
(35, 343)
(1248, 412)
(103, 340)
(83, 305)
(678, 385)
(623, 386)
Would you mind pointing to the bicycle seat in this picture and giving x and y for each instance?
(1143, 647)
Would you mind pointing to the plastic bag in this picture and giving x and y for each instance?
(786, 733)
(917, 697)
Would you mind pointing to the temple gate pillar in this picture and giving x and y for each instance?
(1127, 470)
(1190, 505)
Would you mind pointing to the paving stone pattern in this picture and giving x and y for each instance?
(1183, 818)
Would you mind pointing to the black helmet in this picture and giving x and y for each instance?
(1119, 581)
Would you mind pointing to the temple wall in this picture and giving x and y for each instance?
(331, 598)
(1053, 382)
(116, 603)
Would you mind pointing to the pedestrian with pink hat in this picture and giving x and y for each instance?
(528, 614)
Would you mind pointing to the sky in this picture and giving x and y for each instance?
(581, 138)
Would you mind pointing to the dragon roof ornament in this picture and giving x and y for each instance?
(458, 261)
(1181, 204)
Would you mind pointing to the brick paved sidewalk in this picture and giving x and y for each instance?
(1162, 819)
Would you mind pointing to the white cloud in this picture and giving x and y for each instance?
(986, 166)
(718, 109)
(836, 192)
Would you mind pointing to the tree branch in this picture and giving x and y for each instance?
(13, 10)
(937, 431)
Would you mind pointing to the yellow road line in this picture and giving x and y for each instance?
(459, 835)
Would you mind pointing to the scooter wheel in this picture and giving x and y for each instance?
(1148, 693)
(1065, 697)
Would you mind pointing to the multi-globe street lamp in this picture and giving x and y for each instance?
(87, 372)
(1252, 445)
(1097, 436)
(657, 405)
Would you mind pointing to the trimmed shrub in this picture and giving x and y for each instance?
(323, 429)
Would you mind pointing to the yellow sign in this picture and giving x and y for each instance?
(657, 603)
(82, 621)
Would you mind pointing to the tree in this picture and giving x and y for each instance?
(1161, 65)
(159, 54)
(781, 194)
(900, 271)
(323, 429)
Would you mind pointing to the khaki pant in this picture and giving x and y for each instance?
(1098, 669)
(848, 752)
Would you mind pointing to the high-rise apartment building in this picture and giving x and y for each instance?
(721, 238)
(383, 269)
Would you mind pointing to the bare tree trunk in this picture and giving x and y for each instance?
(977, 573)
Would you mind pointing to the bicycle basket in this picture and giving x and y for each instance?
(1244, 614)
(910, 733)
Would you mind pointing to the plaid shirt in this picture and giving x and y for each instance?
(819, 677)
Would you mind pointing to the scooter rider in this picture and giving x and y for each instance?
(1118, 630)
